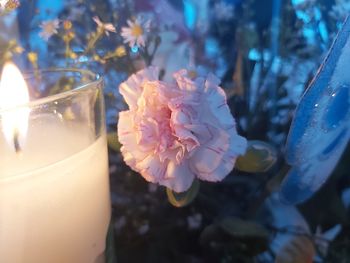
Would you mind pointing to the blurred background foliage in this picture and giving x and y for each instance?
(266, 53)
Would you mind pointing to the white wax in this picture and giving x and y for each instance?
(54, 203)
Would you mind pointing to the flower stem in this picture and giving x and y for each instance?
(92, 42)
(269, 186)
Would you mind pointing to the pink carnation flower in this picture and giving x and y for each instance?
(176, 132)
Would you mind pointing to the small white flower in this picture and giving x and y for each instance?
(120, 223)
(8, 5)
(112, 168)
(107, 27)
(49, 28)
(194, 221)
(152, 188)
(143, 229)
(323, 239)
(135, 33)
(2, 4)
(224, 11)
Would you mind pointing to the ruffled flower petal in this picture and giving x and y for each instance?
(127, 137)
(216, 98)
(208, 156)
(237, 147)
(152, 169)
(179, 178)
(132, 88)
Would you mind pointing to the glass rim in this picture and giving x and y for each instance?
(96, 79)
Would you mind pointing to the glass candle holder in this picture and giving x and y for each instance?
(54, 186)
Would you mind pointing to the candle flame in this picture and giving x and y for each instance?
(13, 92)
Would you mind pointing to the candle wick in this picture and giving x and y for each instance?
(16, 141)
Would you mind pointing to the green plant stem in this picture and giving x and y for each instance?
(147, 56)
(131, 64)
(92, 42)
(269, 186)
(67, 51)
(156, 45)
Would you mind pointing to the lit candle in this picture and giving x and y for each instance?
(13, 91)
(54, 188)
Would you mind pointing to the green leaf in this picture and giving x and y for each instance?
(113, 141)
(184, 198)
(274, 183)
(239, 228)
(209, 234)
(260, 157)
(110, 246)
(235, 236)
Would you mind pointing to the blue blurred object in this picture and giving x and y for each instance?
(320, 129)
(135, 49)
(52, 10)
(190, 13)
